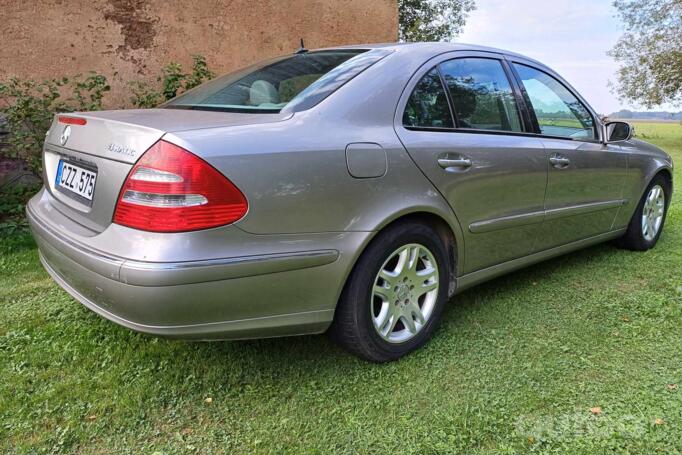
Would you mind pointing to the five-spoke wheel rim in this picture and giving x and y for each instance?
(404, 293)
(652, 213)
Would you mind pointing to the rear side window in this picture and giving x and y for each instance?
(558, 111)
(428, 104)
(481, 94)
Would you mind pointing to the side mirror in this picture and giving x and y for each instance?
(618, 131)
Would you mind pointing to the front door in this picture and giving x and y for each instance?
(585, 179)
(473, 151)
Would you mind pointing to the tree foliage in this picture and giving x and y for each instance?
(432, 20)
(650, 52)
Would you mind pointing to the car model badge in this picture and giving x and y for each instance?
(65, 135)
(121, 149)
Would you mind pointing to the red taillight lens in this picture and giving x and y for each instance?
(72, 120)
(172, 190)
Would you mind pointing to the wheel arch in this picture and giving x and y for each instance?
(664, 171)
(449, 234)
(446, 235)
(667, 173)
(642, 169)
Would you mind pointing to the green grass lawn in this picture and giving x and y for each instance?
(520, 364)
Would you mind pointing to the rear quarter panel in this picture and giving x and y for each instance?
(296, 177)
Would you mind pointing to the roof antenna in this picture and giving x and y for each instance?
(302, 49)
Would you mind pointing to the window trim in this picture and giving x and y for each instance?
(531, 109)
(448, 96)
(435, 129)
(526, 115)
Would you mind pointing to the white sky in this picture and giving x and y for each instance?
(570, 36)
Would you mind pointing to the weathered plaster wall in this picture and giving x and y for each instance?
(132, 39)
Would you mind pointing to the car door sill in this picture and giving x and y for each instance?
(479, 276)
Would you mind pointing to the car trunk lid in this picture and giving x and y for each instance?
(109, 143)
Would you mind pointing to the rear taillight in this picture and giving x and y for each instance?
(172, 190)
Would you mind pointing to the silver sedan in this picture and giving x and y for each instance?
(352, 190)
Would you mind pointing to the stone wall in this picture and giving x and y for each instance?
(132, 39)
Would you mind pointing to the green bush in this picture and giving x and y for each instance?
(13, 199)
(172, 82)
(29, 107)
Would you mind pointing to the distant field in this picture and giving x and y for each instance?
(631, 120)
(578, 355)
(565, 122)
(667, 135)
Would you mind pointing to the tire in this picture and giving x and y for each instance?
(637, 237)
(362, 308)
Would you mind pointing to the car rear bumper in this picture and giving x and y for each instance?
(246, 296)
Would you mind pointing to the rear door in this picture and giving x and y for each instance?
(461, 122)
(585, 179)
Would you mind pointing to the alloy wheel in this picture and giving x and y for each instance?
(652, 212)
(404, 294)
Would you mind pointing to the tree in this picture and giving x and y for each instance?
(432, 20)
(649, 52)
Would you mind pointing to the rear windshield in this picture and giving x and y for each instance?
(294, 82)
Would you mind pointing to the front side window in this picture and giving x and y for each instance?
(558, 111)
(428, 104)
(481, 94)
(300, 81)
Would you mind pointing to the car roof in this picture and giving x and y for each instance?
(435, 47)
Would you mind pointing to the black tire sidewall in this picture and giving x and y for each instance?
(636, 224)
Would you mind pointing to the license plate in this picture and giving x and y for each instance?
(76, 180)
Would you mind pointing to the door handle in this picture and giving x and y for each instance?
(559, 161)
(459, 162)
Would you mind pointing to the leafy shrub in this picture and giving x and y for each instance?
(29, 107)
(13, 199)
(173, 81)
